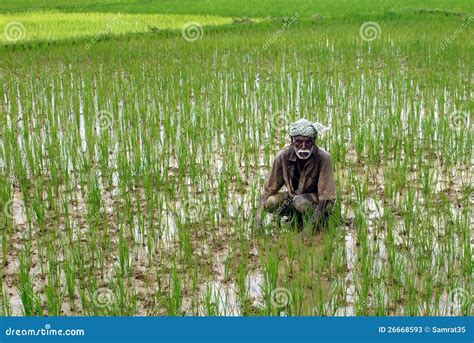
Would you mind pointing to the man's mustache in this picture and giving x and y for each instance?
(303, 153)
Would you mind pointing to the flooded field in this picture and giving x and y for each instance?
(130, 171)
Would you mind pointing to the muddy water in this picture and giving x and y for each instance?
(221, 297)
(373, 211)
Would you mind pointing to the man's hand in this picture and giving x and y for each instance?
(322, 207)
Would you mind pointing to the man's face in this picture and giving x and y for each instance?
(302, 142)
(303, 146)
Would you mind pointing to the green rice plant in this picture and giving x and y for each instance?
(30, 301)
(54, 295)
(71, 275)
(321, 310)
(174, 300)
(126, 300)
(5, 306)
(211, 301)
(241, 278)
(124, 255)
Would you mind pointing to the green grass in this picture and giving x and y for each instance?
(51, 26)
(241, 8)
(136, 165)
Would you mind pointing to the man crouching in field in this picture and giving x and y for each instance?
(306, 171)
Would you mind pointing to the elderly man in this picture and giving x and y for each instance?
(306, 171)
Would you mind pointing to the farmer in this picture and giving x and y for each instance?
(306, 171)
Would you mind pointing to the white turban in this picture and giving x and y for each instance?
(306, 128)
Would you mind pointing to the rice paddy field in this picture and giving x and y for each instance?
(136, 136)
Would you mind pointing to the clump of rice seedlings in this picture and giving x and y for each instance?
(5, 306)
(174, 301)
(30, 301)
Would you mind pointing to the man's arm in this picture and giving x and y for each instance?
(273, 182)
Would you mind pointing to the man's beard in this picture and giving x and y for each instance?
(303, 154)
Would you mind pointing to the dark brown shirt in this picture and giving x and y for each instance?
(316, 177)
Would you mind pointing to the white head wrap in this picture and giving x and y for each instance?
(306, 128)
